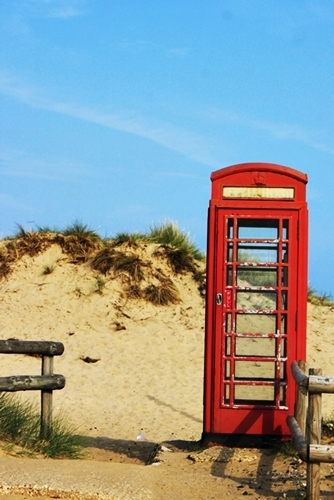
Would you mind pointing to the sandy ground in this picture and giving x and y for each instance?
(134, 379)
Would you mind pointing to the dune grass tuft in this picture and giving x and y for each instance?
(179, 259)
(130, 239)
(122, 255)
(319, 299)
(168, 233)
(163, 294)
(20, 427)
(104, 260)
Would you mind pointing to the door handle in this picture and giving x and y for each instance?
(219, 299)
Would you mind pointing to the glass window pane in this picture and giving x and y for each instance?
(254, 276)
(255, 323)
(255, 346)
(228, 346)
(283, 324)
(258, 228)
(229, 276)
(255, 252)
(254, 394)
(227, 370)
(230, 228)
(228, 323)
(256, 301)
(285, 258)
(282, 371)
(255, 370)
(226, 394)
(229, 252)
(284, 300)
(283, 348)
(282, 395)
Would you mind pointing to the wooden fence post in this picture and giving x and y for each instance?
(46, 382)
(46, 399)
(301, 401)
(314, 437)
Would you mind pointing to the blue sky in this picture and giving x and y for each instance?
(115, 112)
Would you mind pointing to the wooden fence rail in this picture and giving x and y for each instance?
(47, 382)
(305, 426)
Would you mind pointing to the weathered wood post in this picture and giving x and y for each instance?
(314, 437)
(46, 399)
(46, 382)
(302, 400)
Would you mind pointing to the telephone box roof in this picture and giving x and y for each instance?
(264, 167)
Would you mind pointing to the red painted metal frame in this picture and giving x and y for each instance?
(222, 421)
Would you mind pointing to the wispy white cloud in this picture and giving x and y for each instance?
(61, 9)
(185, 142)
(280, 131)
(15, 163)
(65, 12)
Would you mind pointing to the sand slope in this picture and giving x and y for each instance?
(146, 374)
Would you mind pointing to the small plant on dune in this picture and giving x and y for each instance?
(103, 261)
(327, 426)
(200, 279)
(5, 268)
(130, 264)
(168, 233)
(134, 291)
(108, 259)
(179, 259)
(25, 242)
(48, 269)
(78, 291)
(319, 299)
(99, 284)
(286, 448)
(47, 230)
(80, 230)
(79, 241)
(20, 426)
(130, 239)
(163, 294)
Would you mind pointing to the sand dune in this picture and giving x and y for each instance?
(145, 374)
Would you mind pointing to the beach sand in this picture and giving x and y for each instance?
(134, 371)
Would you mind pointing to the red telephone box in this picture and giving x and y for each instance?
(256, 301)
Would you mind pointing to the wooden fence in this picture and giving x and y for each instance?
(46, 382)
(305, 426)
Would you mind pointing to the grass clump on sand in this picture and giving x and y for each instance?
(123, 256)
(20, 431)
(168, 233)
(327, 425)
(163, 294)
(322, 299)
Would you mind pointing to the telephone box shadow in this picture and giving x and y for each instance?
(262, 474)
(136, 451)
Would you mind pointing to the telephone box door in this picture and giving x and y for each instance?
(255, 319)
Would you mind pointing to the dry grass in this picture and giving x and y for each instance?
(103, 261)
(125, 256)
(179, 259)
(109, 259)
(162, 294)
(319, 299)
(130, 264)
